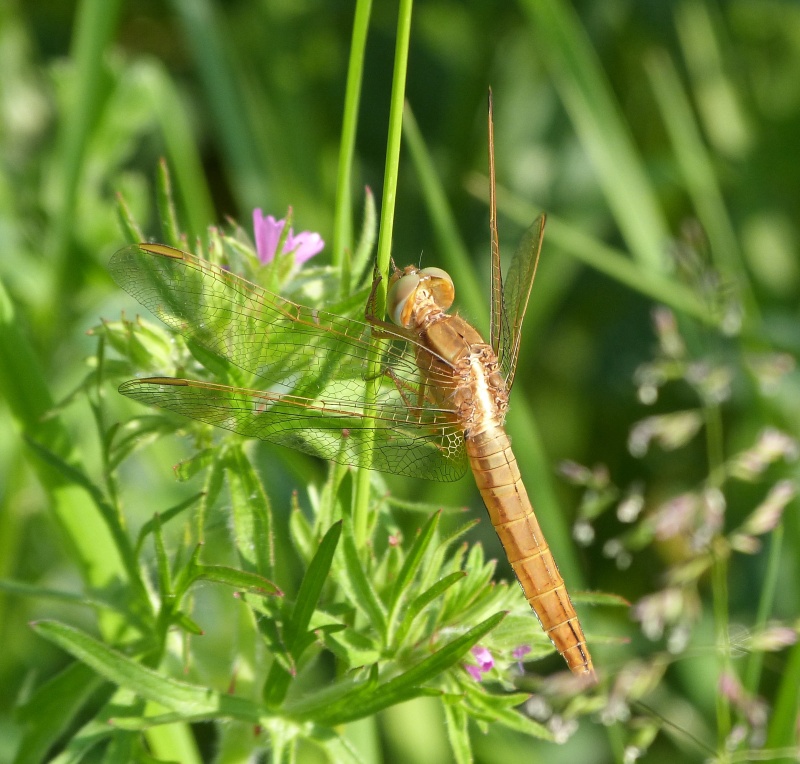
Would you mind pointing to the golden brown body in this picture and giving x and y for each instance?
(480, 398)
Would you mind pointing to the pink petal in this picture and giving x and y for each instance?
(267, 232)
(305, 245)
(484, 658)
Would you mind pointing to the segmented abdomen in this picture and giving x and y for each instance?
(497, 475)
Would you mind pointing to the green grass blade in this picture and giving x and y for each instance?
(699, 176)
(203, 31)
(95, 25)
(452, 253)
(23, 386)
(587, 96)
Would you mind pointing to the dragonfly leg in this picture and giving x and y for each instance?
(403, 388)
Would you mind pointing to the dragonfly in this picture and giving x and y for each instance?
(438, 393)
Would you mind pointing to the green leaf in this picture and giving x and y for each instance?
(494, 708)
(238, 579)
(458, 732)
(478, 579)
(413, 560)
(358, 585)
(76, 476)
(24, 589)
(362, 257)
(129, 226)
(181, 697)
(52, 708)
(162, 563)
(166, 206)
(278, 680)
(422, 601)
(186, 469)
(252, 514)
(164, 517)
(301, 531)
(366, 701)
(311, 587)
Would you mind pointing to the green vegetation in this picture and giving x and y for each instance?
(256, 600)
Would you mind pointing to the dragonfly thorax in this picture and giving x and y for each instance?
(481, 398)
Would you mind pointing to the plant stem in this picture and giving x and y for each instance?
(361, 501)
(343, 212)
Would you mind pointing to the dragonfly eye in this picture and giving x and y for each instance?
(399, 301)
(441, 286)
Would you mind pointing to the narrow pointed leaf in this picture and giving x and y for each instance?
(180, 697)
(411, 683)
(414, 558)
(423, 600)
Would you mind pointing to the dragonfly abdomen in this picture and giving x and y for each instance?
(500, 484)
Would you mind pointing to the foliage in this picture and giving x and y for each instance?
(660, 138)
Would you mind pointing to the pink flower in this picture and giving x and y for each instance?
(485, 663)
(521, 651)
(268, 233)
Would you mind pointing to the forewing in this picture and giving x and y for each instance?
(516, 293)
(406, 440)
(312, 358)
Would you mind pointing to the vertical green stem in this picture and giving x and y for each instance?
(343, 212)
(719, 587)
(361, 501)
(719, 570)
(393, 146)
(752, 674)
(95, 24)
(715, 449)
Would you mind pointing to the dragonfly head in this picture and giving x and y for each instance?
(406, 284)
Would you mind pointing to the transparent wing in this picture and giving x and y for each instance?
(315, 363)
(516, 291)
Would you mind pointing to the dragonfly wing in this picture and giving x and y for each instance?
(516, 292)
(316, 364)
(298, 349)
(419, 442)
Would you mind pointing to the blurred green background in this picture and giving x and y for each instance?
(626, 121)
